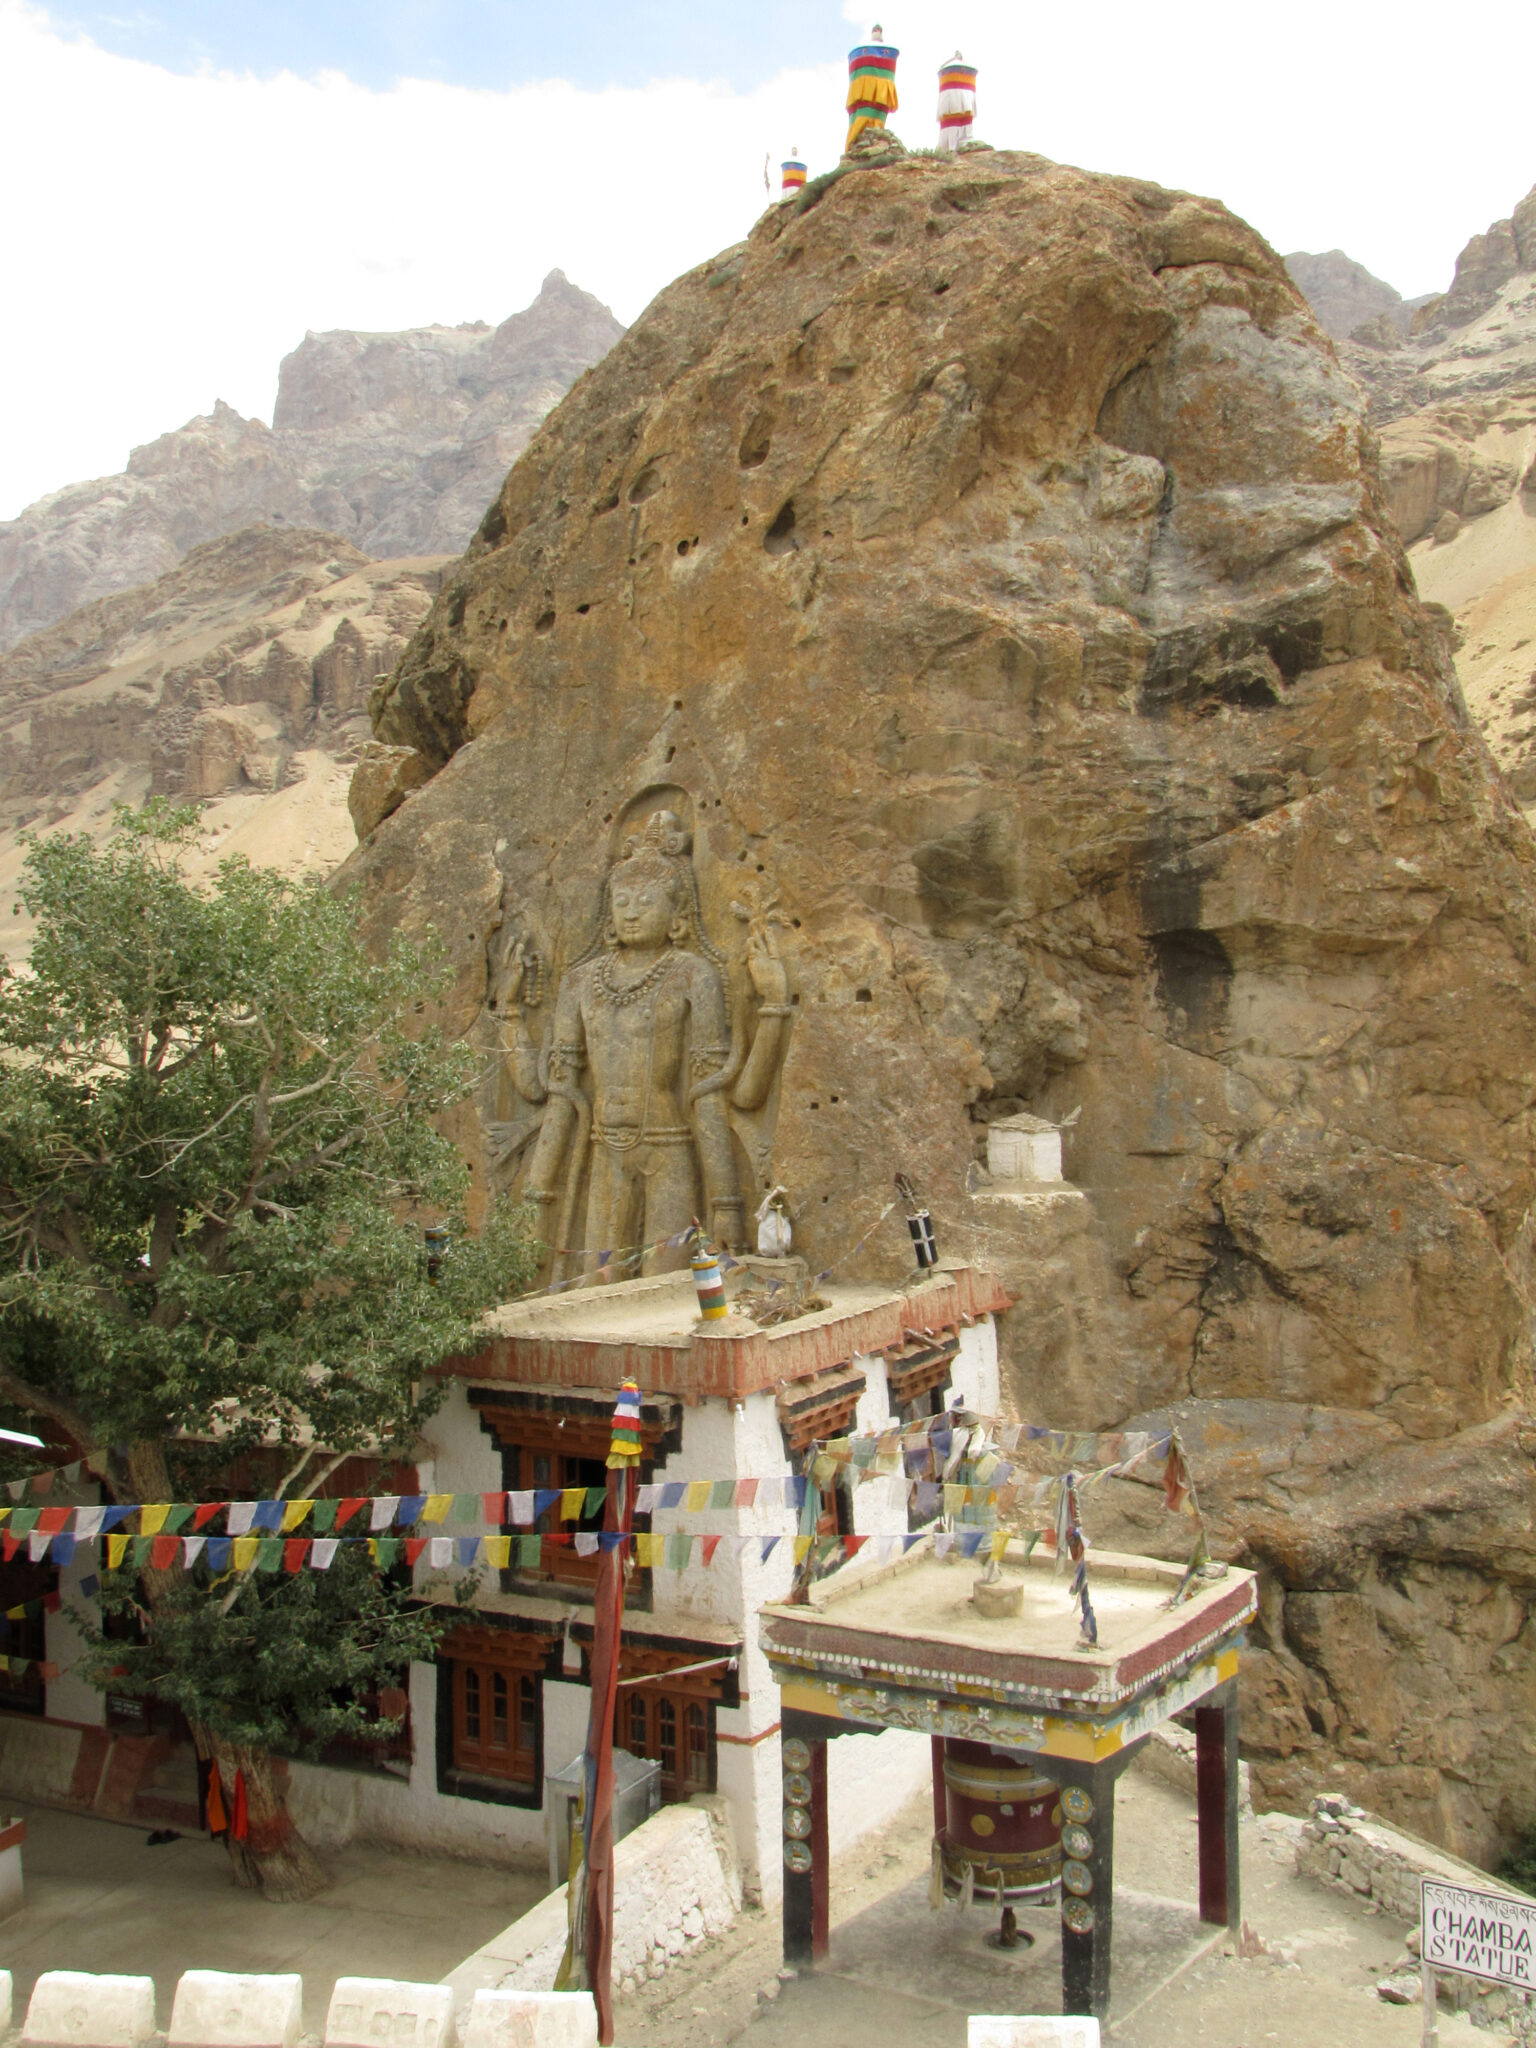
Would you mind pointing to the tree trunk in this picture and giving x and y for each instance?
(274, 1858)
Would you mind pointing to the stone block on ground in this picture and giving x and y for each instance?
(73, 2008)
(223, 2009)
(382, 2012)
(531, 2019)
(1011, 2030)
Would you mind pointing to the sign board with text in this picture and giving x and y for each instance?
(1491, 1935)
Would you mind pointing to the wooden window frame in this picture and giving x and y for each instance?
(472, 1663)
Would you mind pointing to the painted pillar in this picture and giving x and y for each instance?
(1087, 1888)
(957, 103)
(803, 1761)
(794, 176)
(1216, 1801)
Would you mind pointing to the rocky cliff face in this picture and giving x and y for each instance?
(986, 563)
(240, 680)
(396, 442)
(1344, 295)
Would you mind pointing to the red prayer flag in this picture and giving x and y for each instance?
(9, 1545)
(493, 1506)
(348, 1509)
(51, 1520)
(746, 1493)
(414, 1546)
(202, 1516)
(164, 1552)
(707, 1544)
(42, 1483)
(48, 1669)
(52, 1602)
(295, 1550)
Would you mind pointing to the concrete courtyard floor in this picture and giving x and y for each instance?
(99, 1898)
(898, 1972)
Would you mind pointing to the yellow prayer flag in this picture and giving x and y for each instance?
(116, 1545)
(573, 1500)
(152, 1519)
(498, 1552)
(699, 1491)
(824, 1471)
(954, 1498)
(245, 1549)
(294, 1513)
(436, 1509)
(999, 1544)
(803, 1548)
(643, 1550)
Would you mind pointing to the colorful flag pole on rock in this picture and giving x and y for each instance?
(871, 85)
(794, 174)
(957, 102)
(607, 1622)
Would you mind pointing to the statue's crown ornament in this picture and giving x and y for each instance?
(663, 832)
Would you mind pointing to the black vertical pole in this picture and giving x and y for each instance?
(803, 1757)
(1087, 1889)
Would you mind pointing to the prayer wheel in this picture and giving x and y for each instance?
(1002, 1822)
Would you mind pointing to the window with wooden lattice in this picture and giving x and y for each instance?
(670, 1721)
(495, 1706)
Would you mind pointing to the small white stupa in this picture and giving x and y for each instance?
(1023, 1148)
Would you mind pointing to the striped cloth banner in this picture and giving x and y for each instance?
(871, 87)
(957, 102)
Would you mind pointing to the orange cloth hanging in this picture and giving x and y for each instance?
(239, 1825)
(218, 1819)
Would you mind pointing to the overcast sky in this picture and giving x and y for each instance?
(191, 184)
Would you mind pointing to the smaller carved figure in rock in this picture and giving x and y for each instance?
(644, 1062)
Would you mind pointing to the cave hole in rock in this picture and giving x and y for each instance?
(842, 373)
(780, 537)
(940, 289)
(544, 623)
(756, 442)
(582, 610)
(645, 485)
(608, 504)
(863, 995)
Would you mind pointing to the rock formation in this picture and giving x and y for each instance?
(1344, 295)
(394, 441)
(240, 679)
(986, 565)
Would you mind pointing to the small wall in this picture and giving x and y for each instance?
(674, 1886)
(1352, 1850)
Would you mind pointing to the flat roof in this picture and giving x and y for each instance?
(650, 1330)
(912, 1624)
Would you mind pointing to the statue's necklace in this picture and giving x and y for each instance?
(652, 975)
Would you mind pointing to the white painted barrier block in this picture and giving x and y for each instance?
(75, 2010)
(5, 2001)
(531, 2019)
(380, 2012)
(1014, 2030)
(220, 2009)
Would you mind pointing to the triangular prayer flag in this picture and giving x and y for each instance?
(164, 1551)
(699, 1491)
(245, 1549)
(679, 1550)
(116, 1545)
(385, 1551)
(854, 1544)
(440, 1553)
(498, 1552)
(383, 1510)
(768, 1543)
(218, 1553)
(672, 1494)
(241, 1515)
(466, 1549)
(52, 1520)
(529, 1553)
(42, 1483)
(803, 1548)
(269, 1554)
(323, 1552)
(520, 1506)
(203, 1515)
(437, 1506)
(142, 1546)
(708, 1545)
(466, 1508)
(493, 1509)
(192, 1549)
(177, 1517)
(24, 1521)
(586, 1543)
(325, 1516)
(414, 1546)
(544, 1499)
(349, 1508)
(293, 1517)
(745, 1495)
(268, 1517)
(572, 1501)
(295, 1550)
(596, 1496)
(38, 1546)
(213, 1805)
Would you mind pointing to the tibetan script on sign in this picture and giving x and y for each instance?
(1482, 1934)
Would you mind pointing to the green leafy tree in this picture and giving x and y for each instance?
(219, 1142)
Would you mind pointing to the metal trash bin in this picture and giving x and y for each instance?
(636, 1796)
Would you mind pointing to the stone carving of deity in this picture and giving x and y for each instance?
(645, 1062)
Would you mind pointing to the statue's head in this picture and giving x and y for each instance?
(651, 898)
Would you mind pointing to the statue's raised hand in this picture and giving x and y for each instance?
(770, 977)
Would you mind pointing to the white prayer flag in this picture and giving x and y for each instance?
(241, 1513)
(645, 1499)
(440, 1553)
(323, 1551)
(88, 1521)
(37, 1546)
(586, 1542)
(521, 1505)
(192, 1547)
(384, 1511)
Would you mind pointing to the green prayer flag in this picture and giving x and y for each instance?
(388, 1551)
(723, 1493)
(324, 1513)
(141, 1549)
(679, 1549)
(528, 1549)
(466, 1508)
(596, 1495)
(269, 1554)
(177, 1517)
(24, 1520)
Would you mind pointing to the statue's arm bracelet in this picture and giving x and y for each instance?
(776, 1010)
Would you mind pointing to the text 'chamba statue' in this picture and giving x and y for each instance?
(645, 1062)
